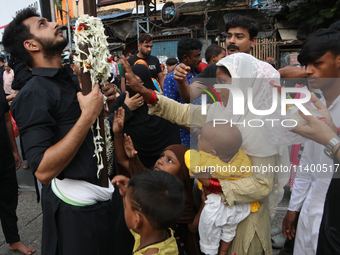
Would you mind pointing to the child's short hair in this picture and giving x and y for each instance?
(171, 61)
(160, 197)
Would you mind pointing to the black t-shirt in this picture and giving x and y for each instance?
(153, 65)
(2, 69)
(6, 155)
(45, 110)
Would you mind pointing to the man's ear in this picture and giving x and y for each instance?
(253, 41)
(184, 59)
(31, 45)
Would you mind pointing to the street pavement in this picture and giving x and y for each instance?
(30, 215)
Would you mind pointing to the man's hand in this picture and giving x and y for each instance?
(288, 227)
(130, 76)
(118, 121)
(128, 146)
(205, 181)
(17, 160)
(181, 72)
(323, 109)
(122, 183)
(316, 130)
(92, 104)
(10, 98)
(133, 102)
(110, 93)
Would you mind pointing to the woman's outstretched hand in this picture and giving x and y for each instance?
(118, 121)
(128, 146)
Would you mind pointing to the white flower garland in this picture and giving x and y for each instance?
(90, 30)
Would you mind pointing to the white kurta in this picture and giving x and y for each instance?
(310, 188)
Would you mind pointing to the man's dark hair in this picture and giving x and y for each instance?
(144, 38)
(212, 50)
(318, 44)
(171, 61)
(16, 33)
(245, 22)
(185, 45)
(132, 52)
(159, 196)
(2, 60)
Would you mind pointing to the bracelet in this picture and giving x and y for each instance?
(215, 186)
(153, 97)
(337, 150)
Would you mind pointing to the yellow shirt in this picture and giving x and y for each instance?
(166, 247)
(238, 167)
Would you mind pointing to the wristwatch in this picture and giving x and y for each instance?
(329, 147)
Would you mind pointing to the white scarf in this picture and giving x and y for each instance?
(249, 72)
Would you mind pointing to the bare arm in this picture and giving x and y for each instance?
(185, 90)
(122, 84)
(12, 141)
(57, 157)
(193, 226)
(117, 127)
(293, 72)
(161, 79)
(134, 84)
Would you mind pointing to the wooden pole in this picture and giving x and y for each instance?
(90, 8)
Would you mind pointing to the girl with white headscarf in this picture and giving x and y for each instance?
(252, 234)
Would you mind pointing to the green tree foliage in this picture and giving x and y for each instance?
(316, 13)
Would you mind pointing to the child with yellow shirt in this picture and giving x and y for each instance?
(220, 155)
(153, 202)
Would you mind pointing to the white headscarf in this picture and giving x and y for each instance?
(247, 71)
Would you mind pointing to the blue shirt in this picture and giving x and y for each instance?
(170, 90)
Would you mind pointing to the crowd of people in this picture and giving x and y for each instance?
(166, 194)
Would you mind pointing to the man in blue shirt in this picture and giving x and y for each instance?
(188, 53)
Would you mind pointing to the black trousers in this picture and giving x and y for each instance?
(329, 235)
(8, 204)
(75, 230)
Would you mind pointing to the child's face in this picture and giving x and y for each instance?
(168, 162)
(170, 68)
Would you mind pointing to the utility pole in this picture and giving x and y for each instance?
(53, 19)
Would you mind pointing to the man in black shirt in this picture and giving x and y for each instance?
(54, 120)
(2, 65)
(143, 57)
(9, 162)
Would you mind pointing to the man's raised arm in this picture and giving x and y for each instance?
(57, 157)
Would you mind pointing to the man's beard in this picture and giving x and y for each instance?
(145, 53)
(52, 48)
